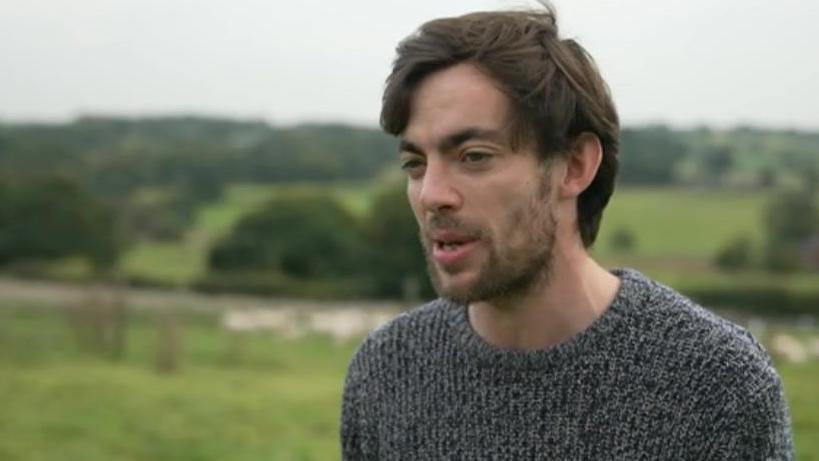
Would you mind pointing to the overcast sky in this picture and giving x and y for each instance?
(684, 62)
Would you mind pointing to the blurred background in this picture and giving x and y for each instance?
(200, 221)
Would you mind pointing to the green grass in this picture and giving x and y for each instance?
(679, 223)
(99, 411)
(169, 262)
(217, 219)
(801, 382)
(277, 399)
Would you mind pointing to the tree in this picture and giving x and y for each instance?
(716, 162)
(623, 241)
(650, 155)
(53, 217)
(792, 216)
(301, 235)
(158, 214)
(735, 255)
(397, 255)
(790, 219)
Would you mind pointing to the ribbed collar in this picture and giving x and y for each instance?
(630, 297)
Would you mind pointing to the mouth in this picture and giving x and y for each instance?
(448, 245)
(450, 253)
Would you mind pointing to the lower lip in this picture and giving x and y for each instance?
(448, 258)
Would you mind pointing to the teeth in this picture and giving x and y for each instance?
(450, 246)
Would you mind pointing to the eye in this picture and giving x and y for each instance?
(476, 157)
(412, 166)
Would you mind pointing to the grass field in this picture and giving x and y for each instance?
(276, 400)
(679, 223)
(217, 219)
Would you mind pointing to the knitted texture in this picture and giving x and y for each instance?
(655, 378)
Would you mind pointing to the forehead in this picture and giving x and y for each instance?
(454, 99)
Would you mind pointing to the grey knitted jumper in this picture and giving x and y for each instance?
(656, 377)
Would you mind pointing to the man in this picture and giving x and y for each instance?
(509, 138)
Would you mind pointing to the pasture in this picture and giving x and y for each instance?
(679, 223)
(273, 399)
(179, 263)
(278, 400)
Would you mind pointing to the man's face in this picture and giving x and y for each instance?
(485, 212)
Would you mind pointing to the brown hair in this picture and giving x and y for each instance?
(555, 88)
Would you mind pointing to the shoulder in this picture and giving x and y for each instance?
(408, 334)
(411, 326)
(726, 377)
(698, 342)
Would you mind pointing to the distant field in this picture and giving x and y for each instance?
(171, 263)
(217, 219)
(274, 399)
(185, 261)
(679, 223)
(675, 228)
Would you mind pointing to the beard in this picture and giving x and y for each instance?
(514, 265)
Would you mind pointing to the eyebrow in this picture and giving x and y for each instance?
(454, 140)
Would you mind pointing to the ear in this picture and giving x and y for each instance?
(581, 165)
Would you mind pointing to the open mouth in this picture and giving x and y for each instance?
(451, 252)
(452, 247)
(448, 246)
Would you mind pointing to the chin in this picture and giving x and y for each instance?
(460, 288)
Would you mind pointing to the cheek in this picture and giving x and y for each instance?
(517, 231)
(521, 219)
(502, 222)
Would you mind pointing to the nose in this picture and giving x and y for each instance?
(438, 189)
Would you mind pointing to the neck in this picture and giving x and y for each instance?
(576, 292)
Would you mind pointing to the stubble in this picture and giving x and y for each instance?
(517, 262)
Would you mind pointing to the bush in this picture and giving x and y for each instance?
(398, 263)
(159, 214)
(301, 236)
(735, 255)
(265, 283)
(762, 300)
(782, 257)
(623, 241)
(52, 218)
(792, 216)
